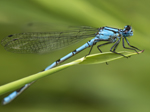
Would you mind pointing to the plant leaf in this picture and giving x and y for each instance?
(91, 59)
(106, 57)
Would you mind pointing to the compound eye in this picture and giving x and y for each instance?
(128, 27)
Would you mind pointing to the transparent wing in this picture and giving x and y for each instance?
(41, 42)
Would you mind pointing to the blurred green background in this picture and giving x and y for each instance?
(121, 86)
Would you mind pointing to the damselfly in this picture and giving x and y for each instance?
(39, 42)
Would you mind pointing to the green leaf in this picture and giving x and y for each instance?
(106, 57)
(91, 59)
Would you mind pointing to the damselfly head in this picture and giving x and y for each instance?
(127, 31)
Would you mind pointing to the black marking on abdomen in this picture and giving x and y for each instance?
(73, 52)
(57, 61)
(88, 43)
